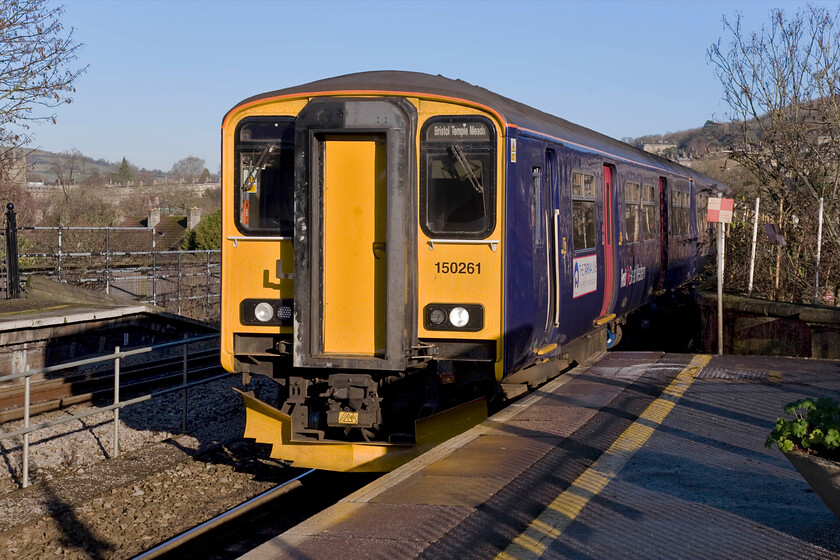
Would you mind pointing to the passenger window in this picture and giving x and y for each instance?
(702, 204)
(676, 216)
(583, 211)
(631, 212)
(264, 171)
(458, 179)
(648, 227)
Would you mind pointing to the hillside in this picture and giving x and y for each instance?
(712, 137)
(77, 168)
(41, 163)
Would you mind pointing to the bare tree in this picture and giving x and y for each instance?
(36, 67)
(782, 84)
(188, 169)
(85, 206)
(65, 167)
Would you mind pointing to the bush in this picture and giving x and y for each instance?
(206, 235)
(814, 428)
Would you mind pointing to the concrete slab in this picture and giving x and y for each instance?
(493, 456)
(558, 421)
(443, 490)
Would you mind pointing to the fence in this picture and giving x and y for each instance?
(117, 404)
(132, 262)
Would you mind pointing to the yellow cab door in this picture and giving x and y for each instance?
(354, 244)
(354, 233)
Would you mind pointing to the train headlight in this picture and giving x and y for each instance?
(437, 316)
(264, 312)
(267, 312)
(459, 317)
(453, 317)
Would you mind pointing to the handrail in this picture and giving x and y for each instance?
(492, 242)
(116, 356)
(105, 358)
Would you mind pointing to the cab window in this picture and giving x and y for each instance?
(458, 177)
(264, 171)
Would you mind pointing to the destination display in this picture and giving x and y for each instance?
(458, 132)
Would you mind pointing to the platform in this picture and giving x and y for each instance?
(630, 455)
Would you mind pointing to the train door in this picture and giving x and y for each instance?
(608, 236)
(353, 252)
(552, 234)
(355, 240)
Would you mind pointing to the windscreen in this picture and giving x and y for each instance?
(264, 175)
(458, 179)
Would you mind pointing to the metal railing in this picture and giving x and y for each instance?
(125, 261)
(116, 356)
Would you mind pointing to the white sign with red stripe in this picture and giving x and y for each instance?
(720, 210)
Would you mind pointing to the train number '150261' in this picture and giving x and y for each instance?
(458, 268)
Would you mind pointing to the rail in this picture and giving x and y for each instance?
(223, 518)
(117, 405)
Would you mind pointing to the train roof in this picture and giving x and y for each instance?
(513, 112)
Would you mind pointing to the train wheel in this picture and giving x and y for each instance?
(613, 335)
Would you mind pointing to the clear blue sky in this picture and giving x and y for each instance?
(163, 73)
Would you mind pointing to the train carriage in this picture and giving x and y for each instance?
(400, 248)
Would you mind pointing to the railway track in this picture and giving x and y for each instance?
(246, 526)
(78, 387)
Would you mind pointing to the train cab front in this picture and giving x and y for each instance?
(322, 288)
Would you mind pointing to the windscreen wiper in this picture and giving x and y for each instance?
(458, 155)
(259, 164)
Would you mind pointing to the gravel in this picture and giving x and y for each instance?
(84, 503)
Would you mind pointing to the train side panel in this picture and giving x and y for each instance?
(661, 240)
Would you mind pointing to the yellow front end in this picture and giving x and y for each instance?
(349, 283)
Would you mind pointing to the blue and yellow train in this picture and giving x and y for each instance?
(400, 249)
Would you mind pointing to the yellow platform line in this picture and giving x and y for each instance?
(565, 508)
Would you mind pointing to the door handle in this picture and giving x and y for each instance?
(378, 249)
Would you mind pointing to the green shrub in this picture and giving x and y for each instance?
(814, 428)
(206, 235)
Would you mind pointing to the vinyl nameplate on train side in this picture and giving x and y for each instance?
(632, 275)
(461, 131)
(585, 275)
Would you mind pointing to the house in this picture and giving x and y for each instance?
(169, 231)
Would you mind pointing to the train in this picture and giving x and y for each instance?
(401, 251)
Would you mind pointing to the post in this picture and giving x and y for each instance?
(752, 254)
(819, 247)
(116, 401)
(720, 248)
(154, 265)
(184, 390)
(180, 274)
(59, 253)
(779, 250)
(107, 260)
(207, 286)
(12, 269)
(26, 400)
